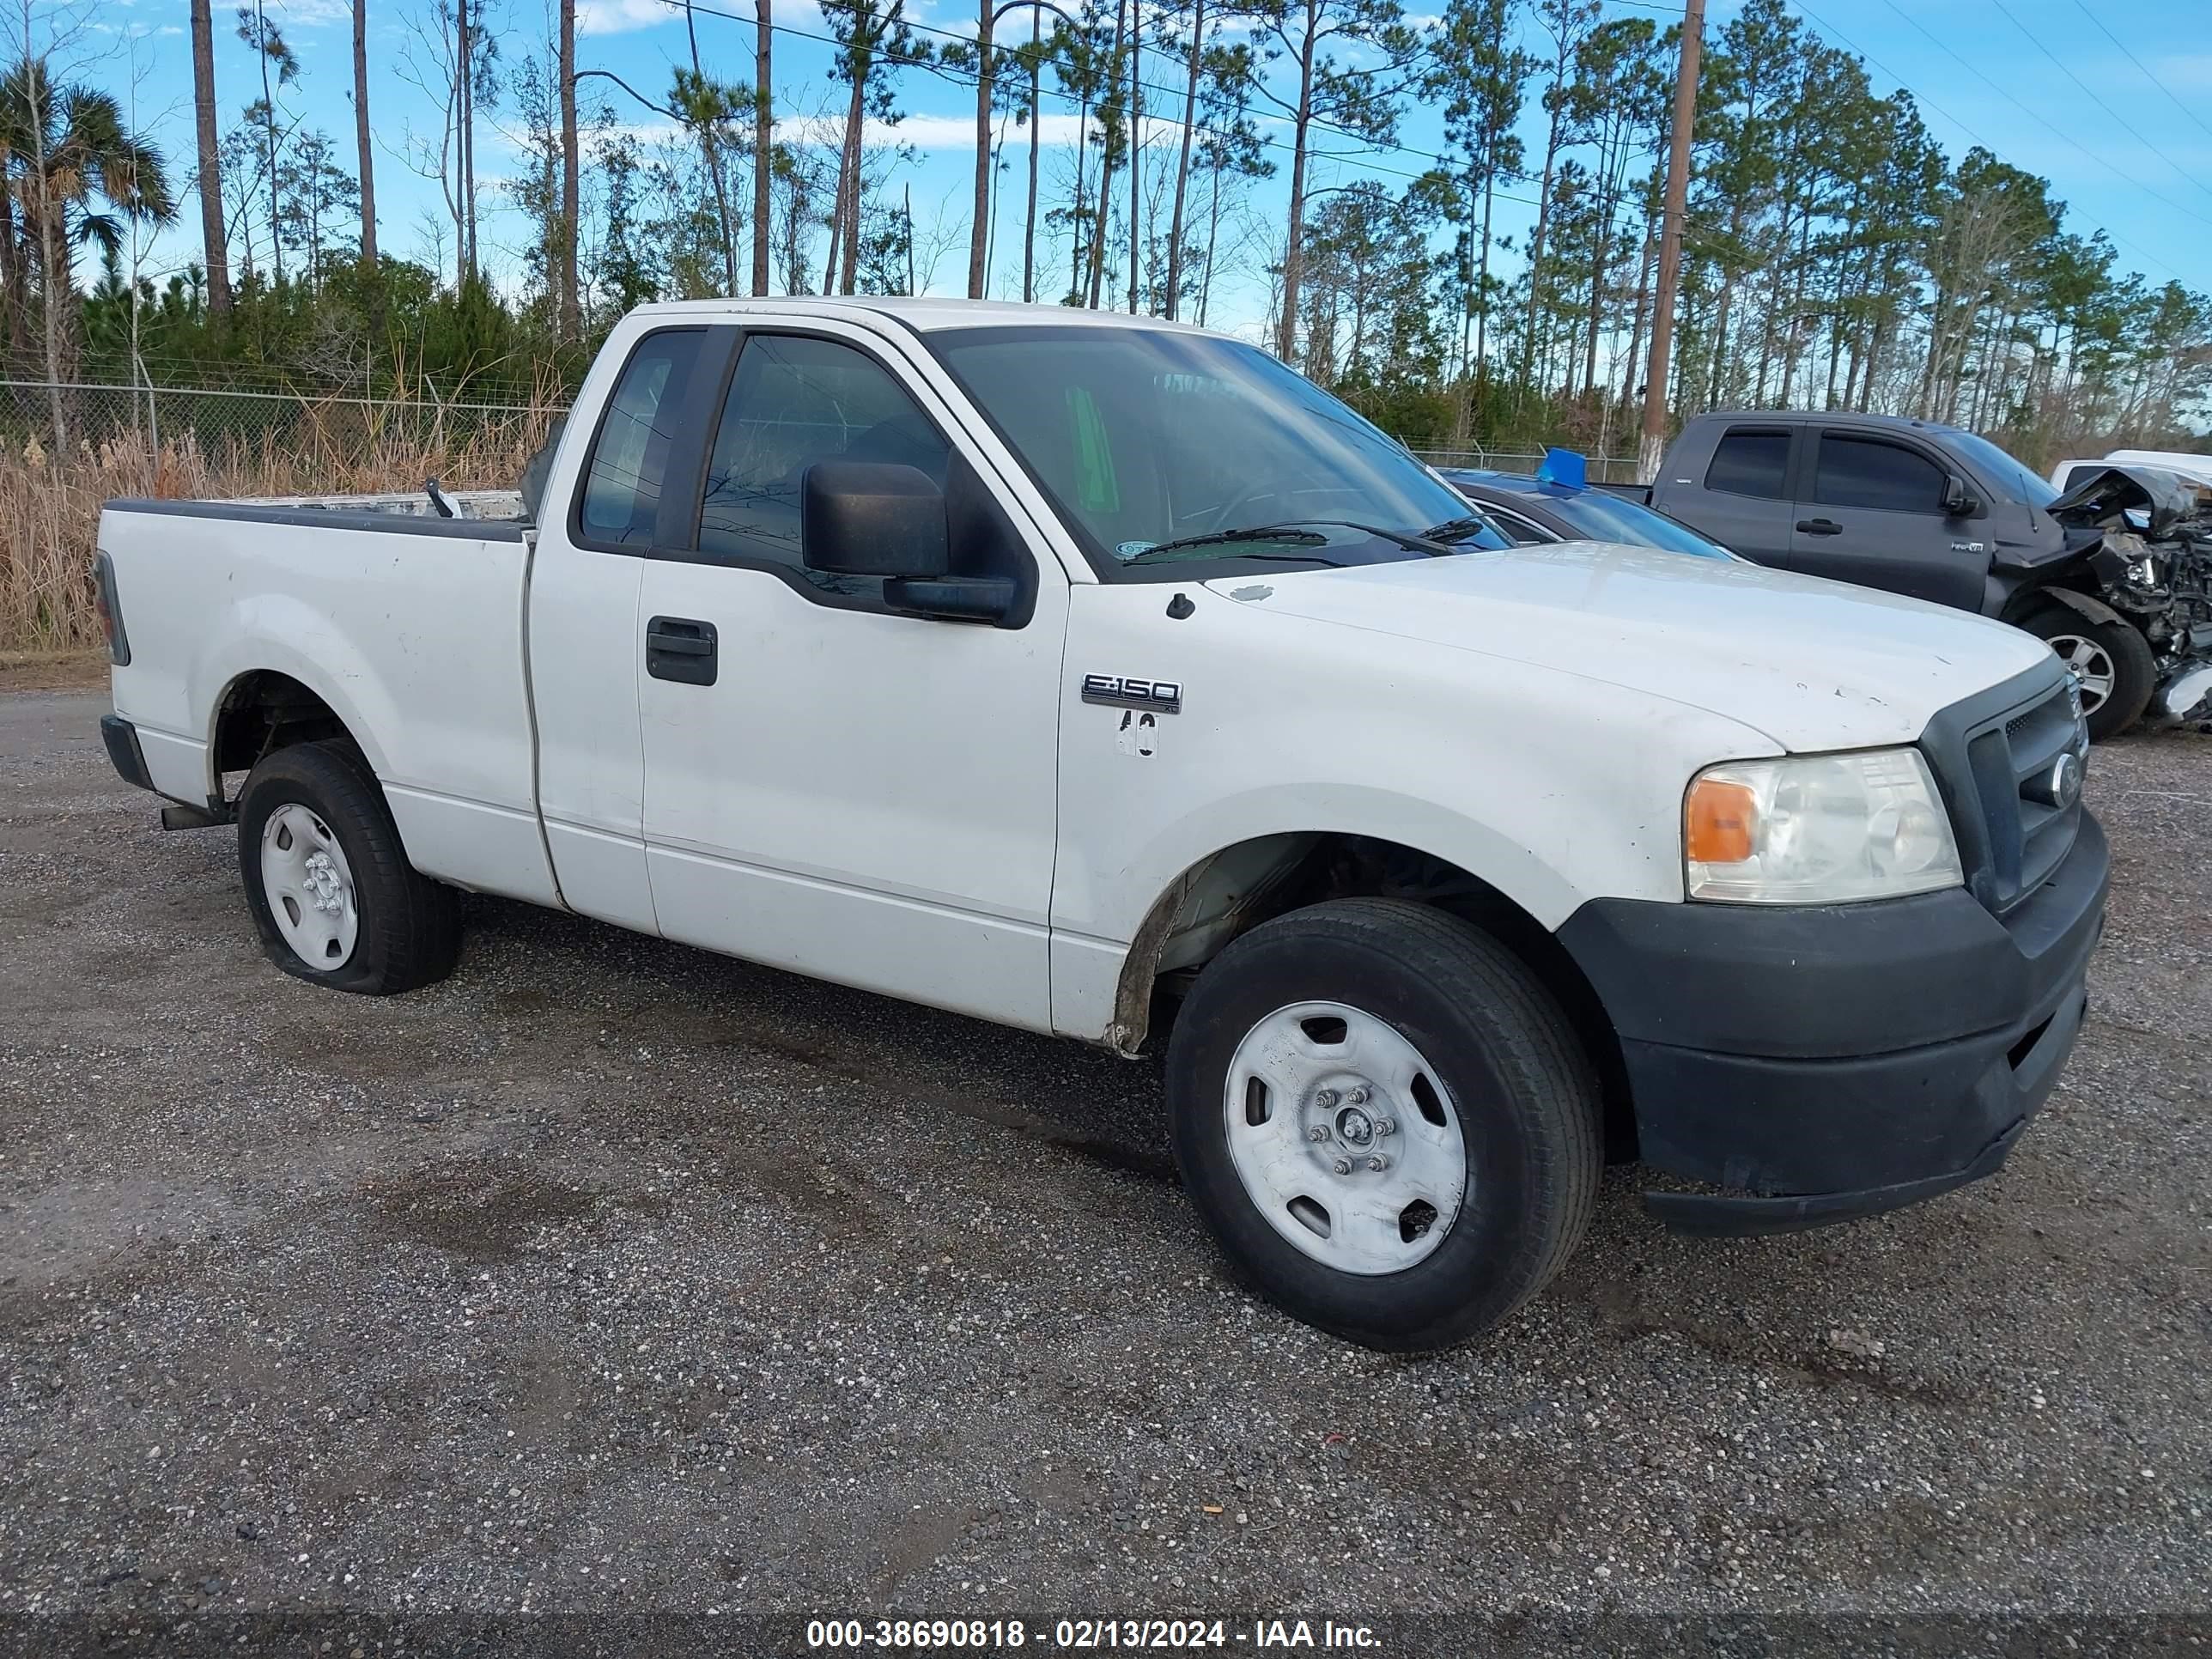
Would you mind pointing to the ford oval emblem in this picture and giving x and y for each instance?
(2062, 784)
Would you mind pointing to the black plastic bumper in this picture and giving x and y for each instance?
(1840, 1060)
(123, 753)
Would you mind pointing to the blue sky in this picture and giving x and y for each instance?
(2035, 80)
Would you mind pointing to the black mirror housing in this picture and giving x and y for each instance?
(873, 519)
(1959, 501)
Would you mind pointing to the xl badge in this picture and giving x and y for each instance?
(1126, 691)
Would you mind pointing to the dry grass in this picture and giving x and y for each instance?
(50, 510)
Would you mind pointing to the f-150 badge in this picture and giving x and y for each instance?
(1127, 691)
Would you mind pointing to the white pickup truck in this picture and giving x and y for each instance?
(1102, 677)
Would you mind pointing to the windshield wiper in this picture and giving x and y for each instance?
(1295, 531)
(1455, 529)
(1296, 534)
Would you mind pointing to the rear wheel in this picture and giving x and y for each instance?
(2109, 659)
(332, 895)
(1386, 1121)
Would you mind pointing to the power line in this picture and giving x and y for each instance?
(1921, 98)
(2043, 121)
(2170, 97)
(2187, 177)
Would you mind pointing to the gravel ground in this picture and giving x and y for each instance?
(616, 1279)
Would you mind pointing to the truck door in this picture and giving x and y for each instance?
(1744, 501)
(1871, 511)
(601, 518)
(830, 785)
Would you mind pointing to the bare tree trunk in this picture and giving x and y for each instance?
(367, 158)
(1078, 215)
(1641, 313)
(1537, 252)
(979, 227)
(763, 139)
(1287, 325)
(572, 317)
(1136, 149)
(1213, 241)
(1029, 223)
(710, 149)
(269, 143)
(1482, 290)
(1602, 246)
(11, 280)
(464, 194)
(55, 285)
(1182, 162)
(845, 232)
(217, 254)
(1106, 168)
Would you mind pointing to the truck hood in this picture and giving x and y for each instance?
(1815, 664)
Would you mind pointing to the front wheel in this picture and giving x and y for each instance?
(1386, 1121)
(333, 897)
(2109, 661)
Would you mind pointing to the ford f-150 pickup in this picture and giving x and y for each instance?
(1104, 676)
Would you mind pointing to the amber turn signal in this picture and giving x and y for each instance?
(1718, 819)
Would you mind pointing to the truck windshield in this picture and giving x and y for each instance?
(2023, 485)
(1607, 517)
(1145, 436)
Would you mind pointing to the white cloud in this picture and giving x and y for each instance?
(622, 16)
(312, 14)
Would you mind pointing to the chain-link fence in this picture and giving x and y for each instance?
(1603, 468)
(347, 429)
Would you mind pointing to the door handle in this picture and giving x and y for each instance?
(1819, 528)
(681, 649)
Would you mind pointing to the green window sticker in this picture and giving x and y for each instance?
(1095, 490)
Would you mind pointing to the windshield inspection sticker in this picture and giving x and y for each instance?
(1130, 550)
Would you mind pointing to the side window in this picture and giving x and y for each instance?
(1523, 532)
(1748, 461)
(1868, 472)
(792, 402)
(629, 456)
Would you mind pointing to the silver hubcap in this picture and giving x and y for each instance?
(1344, 1138)
(2090, 664)
(309, 886)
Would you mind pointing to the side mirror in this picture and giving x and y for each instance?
(871, 518)
(1958, 501)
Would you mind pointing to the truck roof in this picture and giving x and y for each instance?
(1846, 417)
(923, 313)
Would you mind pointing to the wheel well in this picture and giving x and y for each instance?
(264, 711)
(1236, 888)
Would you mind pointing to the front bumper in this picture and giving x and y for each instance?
(1833, 1061)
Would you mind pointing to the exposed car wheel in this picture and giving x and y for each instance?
(1386, 1121)
(2109, 661)
(333, 897)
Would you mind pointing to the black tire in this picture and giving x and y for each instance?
(2134, 670)
(408, 932)
(1527, 1099)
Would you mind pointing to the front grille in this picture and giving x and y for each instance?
(2023, 835)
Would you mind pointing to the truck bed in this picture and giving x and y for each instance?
(491, 505)
(409, 627)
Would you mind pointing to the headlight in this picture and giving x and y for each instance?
(1817, 830)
